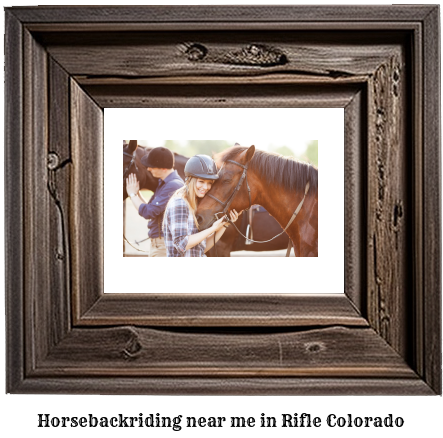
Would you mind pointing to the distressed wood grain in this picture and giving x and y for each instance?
(246, 54)
(326, 352)
(174, 385)
(226, 96)
(222, 14)
(15, 287)
(37, 305)
(86, 199)
(239, 310)
(388, 203)
(355, 189)
(58, 170)
(430, 319)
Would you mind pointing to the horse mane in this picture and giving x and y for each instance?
(288, 172)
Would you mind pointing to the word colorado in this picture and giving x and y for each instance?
(332, 420)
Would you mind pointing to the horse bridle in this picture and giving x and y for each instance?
(228, 203)
(133, 156)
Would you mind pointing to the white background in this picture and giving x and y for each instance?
(423, 415)
(249, 126)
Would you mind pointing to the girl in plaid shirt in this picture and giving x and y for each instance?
(180, 226)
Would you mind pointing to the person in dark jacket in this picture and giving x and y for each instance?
(160, 162)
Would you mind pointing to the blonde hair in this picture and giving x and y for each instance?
(187, 193)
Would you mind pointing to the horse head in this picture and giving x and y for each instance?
(132, 163)
(230, 190)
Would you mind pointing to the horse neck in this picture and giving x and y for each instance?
(280, 202)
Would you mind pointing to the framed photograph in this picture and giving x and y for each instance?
(286, 130)
(280, 135)
(378, 331)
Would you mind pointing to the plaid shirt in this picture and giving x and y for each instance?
(178, 225)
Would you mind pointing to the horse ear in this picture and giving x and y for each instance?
(250, 153)
(132, 146)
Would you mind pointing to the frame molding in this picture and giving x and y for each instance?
(64, 65)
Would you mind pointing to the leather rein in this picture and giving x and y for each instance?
(227, 204)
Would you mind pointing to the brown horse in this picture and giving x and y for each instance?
(277, 183)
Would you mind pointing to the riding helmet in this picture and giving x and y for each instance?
(201, 166)
(159, 158)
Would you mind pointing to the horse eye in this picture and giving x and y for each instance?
(227, 181)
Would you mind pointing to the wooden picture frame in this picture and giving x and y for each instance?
(379, 63)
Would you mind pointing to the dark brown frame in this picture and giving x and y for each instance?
(64, 65)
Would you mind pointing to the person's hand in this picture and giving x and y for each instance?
(234, 215)
(223, 222)
(132, 184)
(218, 224)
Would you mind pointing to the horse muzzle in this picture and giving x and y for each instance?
(206, 222)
